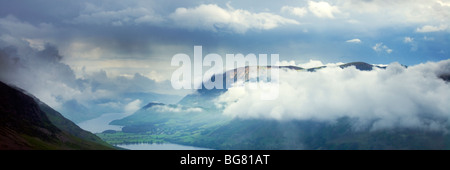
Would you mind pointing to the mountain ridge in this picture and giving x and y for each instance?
(206, 95)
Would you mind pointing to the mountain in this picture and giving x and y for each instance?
(358, 65)
(203, 97)
(361, 66)
(79, 112)
(27, 123)
(211, 129)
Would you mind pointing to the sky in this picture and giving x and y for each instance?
(123, 38)
(86, 50)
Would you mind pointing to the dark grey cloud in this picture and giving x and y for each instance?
(39, 72)
(42, 73)
(129, 29)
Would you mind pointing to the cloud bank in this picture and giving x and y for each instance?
(430, 28)
(412, 97)
(175, 109)
(323, 9)
(296, 11)
(214, 18)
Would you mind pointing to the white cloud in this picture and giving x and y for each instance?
(379, 47)
(37, 44)
(356, 40)
(214, 18)
(323, 9)
(158, 77)
(428, 38)
(408, 40)
(133, 106)
(285, 63)
(446, 4)
(176, 109)
(297, 11)
(412, 97)
(375, 14)
(389, 51)
(311, 64)
(430, 28)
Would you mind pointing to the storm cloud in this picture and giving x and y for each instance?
(40, 71)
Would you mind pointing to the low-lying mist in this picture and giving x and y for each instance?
(398, 96)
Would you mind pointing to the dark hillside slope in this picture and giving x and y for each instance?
(28, 124)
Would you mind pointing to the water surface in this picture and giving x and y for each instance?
(162, 146)
(100, 124)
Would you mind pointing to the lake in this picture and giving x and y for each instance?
(162, 146)
(100, 124)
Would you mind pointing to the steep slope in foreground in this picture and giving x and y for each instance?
(27, 123)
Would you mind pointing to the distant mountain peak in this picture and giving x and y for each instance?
(151, 104)
(360, 66)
